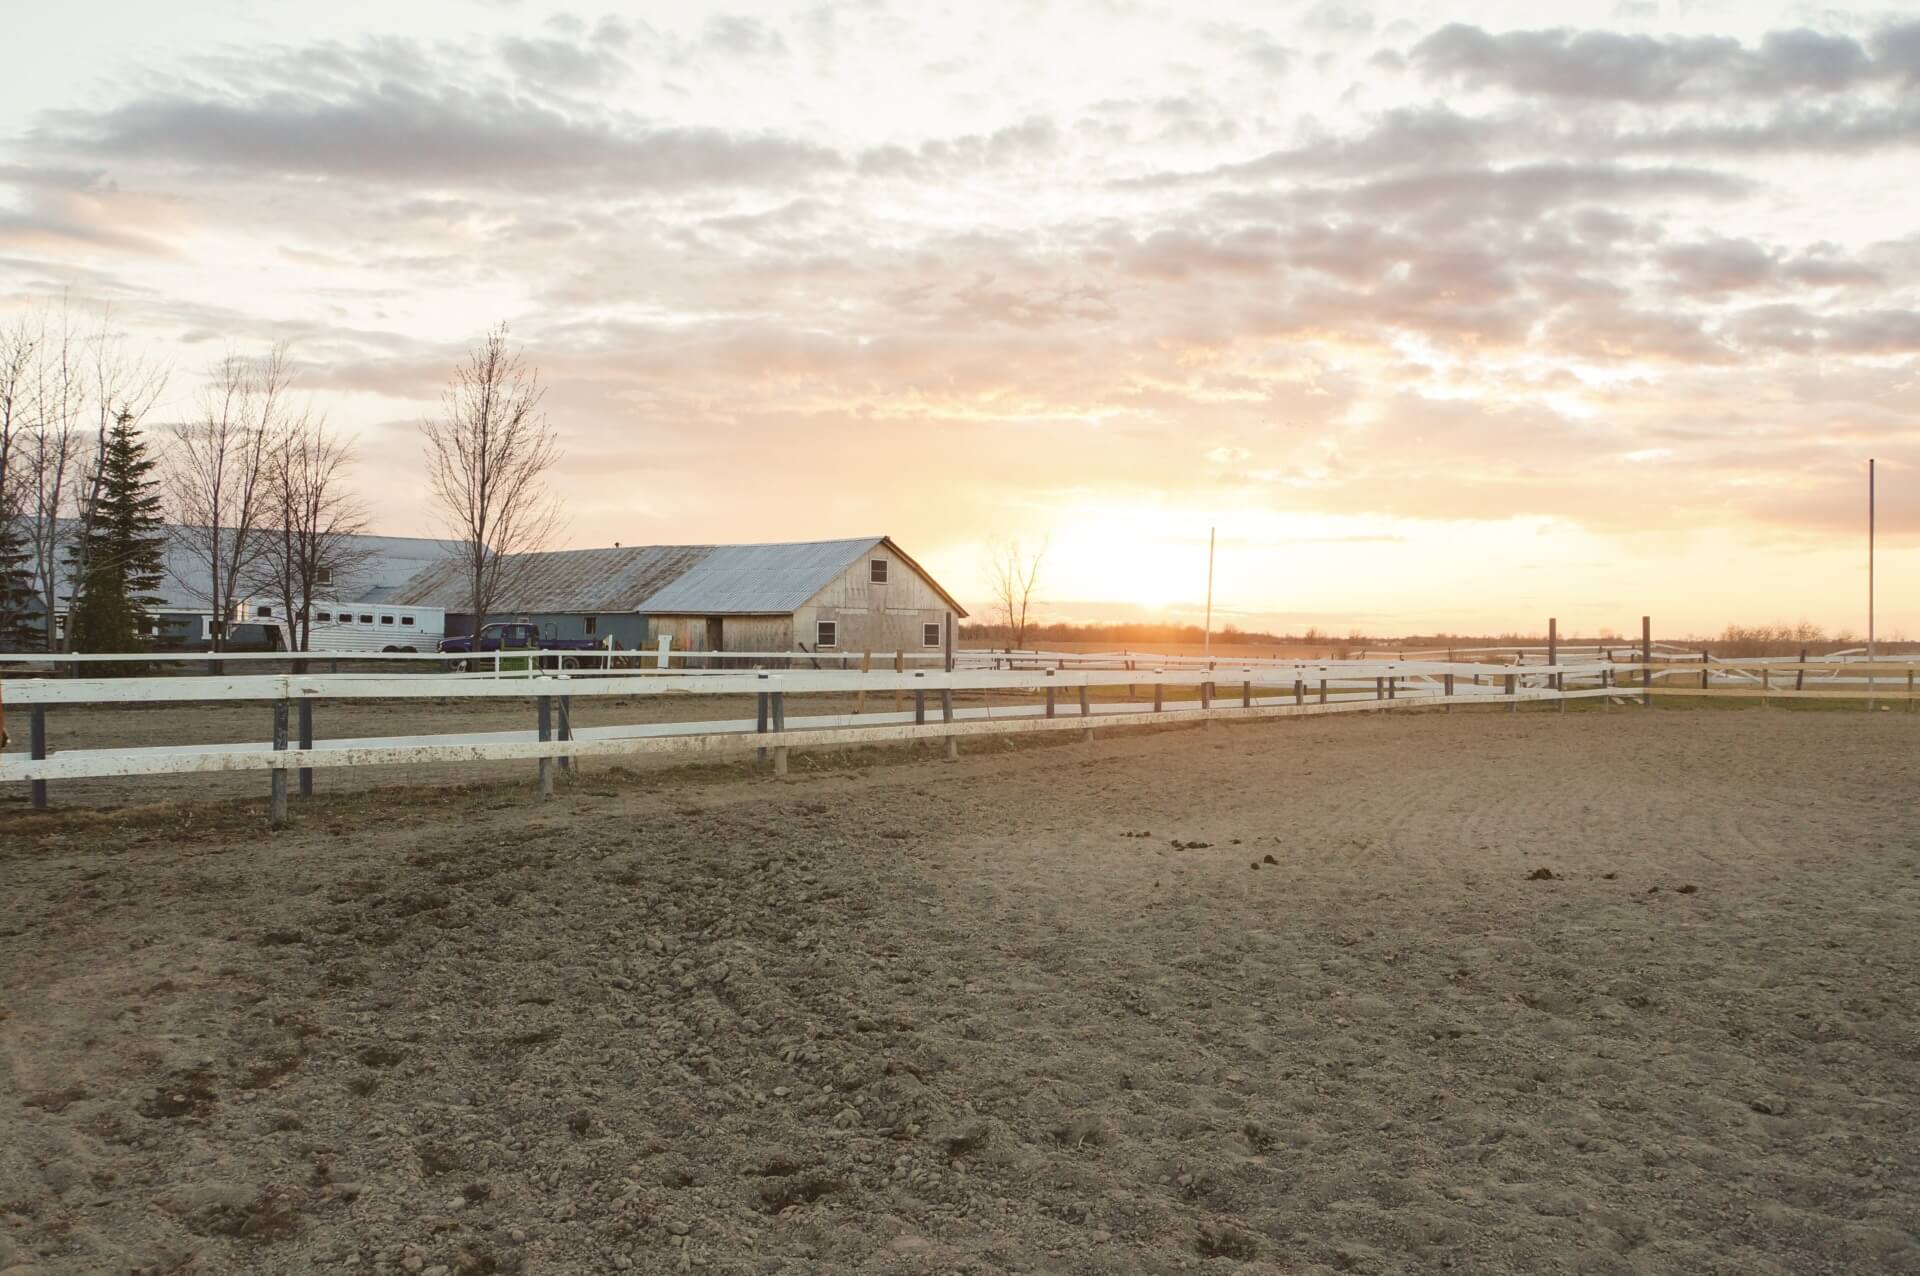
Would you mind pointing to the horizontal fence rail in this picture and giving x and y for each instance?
(1202, 692)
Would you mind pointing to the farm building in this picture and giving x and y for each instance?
(372, 568)
(864, 594)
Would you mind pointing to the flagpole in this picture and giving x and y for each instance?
(1870, 530)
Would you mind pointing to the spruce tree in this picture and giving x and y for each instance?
(19, 601)
(122, 555)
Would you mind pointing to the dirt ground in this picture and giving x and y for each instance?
(1289, 997)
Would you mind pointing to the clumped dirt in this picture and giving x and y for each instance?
(1029, 1012)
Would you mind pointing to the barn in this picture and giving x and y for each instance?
(863, 594)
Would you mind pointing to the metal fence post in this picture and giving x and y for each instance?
(779, 725)
(306, 742)
(277, 815)
(543, 713)
(37, 746)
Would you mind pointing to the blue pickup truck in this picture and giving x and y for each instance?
(516, 635)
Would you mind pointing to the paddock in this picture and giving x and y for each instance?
(1286, 996)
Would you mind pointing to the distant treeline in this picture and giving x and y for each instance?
(1779, 639)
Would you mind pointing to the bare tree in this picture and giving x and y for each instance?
(487, 459)
(1016, 573)
(218, 478)
(77, 384)
(312, 523)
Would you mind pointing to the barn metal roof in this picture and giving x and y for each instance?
(560, 581)
(669, 580)
(381, 564)
(757, 580)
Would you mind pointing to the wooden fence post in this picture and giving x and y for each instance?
(1086, 736)
(1449, 692)
(37, 750)
(1049, 701)
(919, 707)
(1553, 648)
(860, 696)
(899, 666)
(1299, 691)
(1157, 690)
(946, 715)
(543, 715)
(277, 811)
(566, 729)
(1800, 674)
(306, 742)
(1323, 691)
(1246, 695)
(1513, 689)
(1704, 675)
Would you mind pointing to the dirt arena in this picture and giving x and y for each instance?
(1598, 992)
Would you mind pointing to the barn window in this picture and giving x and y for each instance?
(323, 615)
(930, 634)
(825, 637)
(877, 571)
(263, 611)
(406, 620)
(366, 620)
(386, 620)
(593, 622)
(323, 576)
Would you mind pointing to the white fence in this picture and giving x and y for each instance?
(1049, 700)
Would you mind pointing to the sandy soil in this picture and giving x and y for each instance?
(1277, 998)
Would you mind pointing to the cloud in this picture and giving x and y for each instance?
(56, 208)
(1614, 66)
(401, 133)
(581, 62)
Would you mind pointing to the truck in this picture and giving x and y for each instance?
(514, 635)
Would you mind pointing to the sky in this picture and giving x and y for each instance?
(1448, 318)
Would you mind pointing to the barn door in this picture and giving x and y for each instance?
(716, 640)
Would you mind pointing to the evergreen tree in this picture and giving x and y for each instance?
(121, 557)
(19, 601)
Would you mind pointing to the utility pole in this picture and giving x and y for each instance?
(1207, 648)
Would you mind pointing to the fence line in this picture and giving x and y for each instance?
(1225, 691)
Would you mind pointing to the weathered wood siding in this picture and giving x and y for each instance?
(869, 616)
(758, 633)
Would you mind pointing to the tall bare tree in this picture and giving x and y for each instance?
(312, 524)
(218, 478)
(1015, 573)
(79, 383)
(488, 454)
(18, 598)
